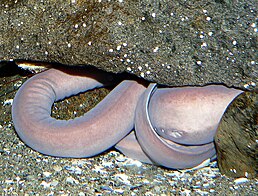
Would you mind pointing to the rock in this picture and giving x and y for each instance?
(237, 137)
(170, 42)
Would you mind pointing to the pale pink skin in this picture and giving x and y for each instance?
(96, 131)
(187, 116)
(190, 115)
(174, 109)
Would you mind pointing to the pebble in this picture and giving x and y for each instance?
(123, 178)
(25, 171)
(71, 180)
(241, 180)
(47, 174)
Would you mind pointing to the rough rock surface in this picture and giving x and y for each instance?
(237, 138)
(170, 42)
(24, 171)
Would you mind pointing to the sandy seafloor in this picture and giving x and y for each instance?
(24, 171)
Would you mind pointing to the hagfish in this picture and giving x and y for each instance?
(85, 136)
(174, 127)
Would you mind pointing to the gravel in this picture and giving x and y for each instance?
(27, 172)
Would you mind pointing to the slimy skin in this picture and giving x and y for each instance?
(174, 127)
(189, 115)
(96, 131)
(130, 147)
(167, 152)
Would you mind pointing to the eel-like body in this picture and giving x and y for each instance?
(175, 127)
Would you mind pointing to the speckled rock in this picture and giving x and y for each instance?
(170, 42)
(237, 137)
(24, 171)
